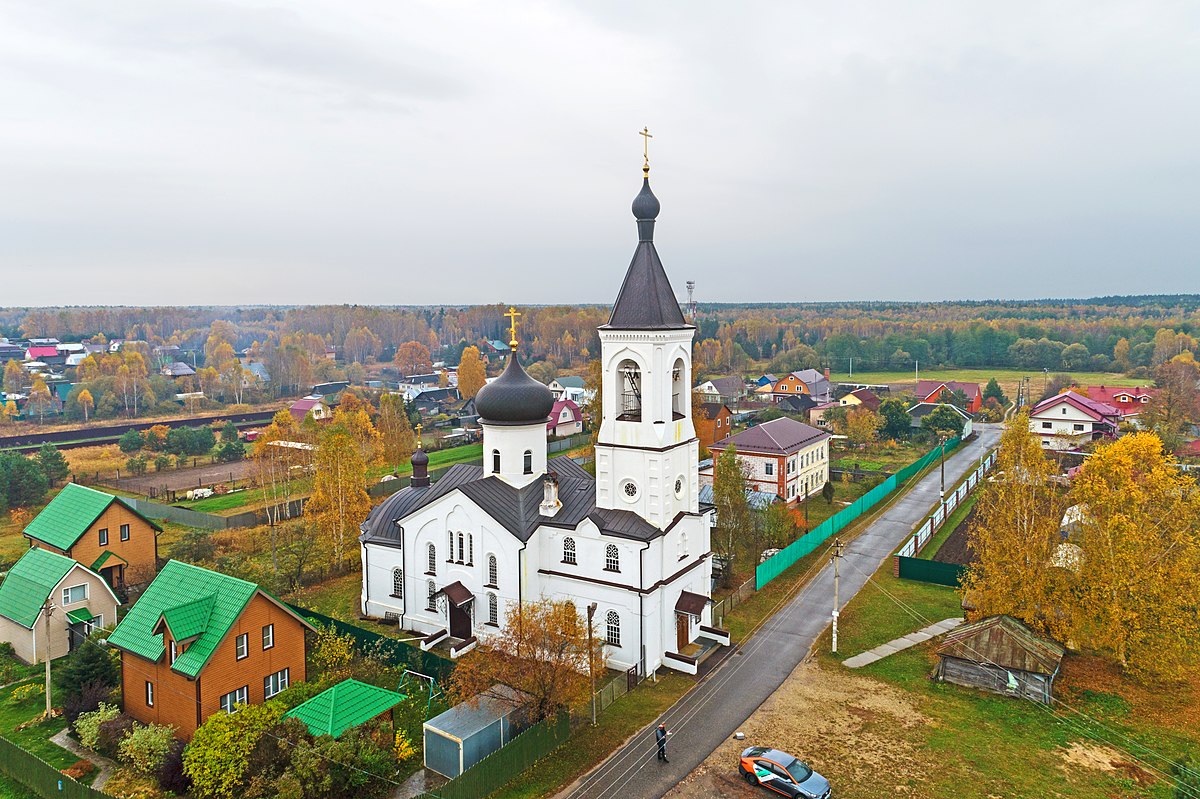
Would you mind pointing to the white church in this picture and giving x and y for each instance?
(448, 559)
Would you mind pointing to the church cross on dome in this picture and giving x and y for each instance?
(512, 314)
(646, 137)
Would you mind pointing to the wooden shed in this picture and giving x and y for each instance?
(1001, 655)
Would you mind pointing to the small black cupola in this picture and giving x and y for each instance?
(420, 467)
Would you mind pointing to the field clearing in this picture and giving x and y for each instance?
(1007, 378)
(887, 730)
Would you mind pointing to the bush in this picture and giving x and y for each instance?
(231, 451)
(131, 441)
(89, 663)
(79, 769)
(87, 700)
(125, 783)
(170, 771)
(136, 465)
(146, 748)
(87, 726)
(216, 760)
(111, 733)
(194, 546)
(10, 667)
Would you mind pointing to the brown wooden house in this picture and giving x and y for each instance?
(101, 531)
(714, 421)
(199, 642)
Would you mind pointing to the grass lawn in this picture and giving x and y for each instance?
(590, 745)
(1008, 378)
(36, 738)
(878, 456)
(11, 789)
(974, 739)
(337, 598)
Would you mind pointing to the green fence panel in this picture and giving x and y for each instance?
(506, 763)
(776, 565)
(930, 571)
(40, 777)
(399, 653)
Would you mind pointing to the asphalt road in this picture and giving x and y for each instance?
(714, 710)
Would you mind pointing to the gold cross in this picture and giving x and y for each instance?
(646, 137)
(512, 328)
(418, 435)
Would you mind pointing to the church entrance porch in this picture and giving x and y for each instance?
(459, 603)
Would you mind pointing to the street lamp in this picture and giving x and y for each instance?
(591, 612)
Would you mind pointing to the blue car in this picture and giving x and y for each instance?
(782, 773)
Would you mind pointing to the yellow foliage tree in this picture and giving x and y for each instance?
(862, 425)
(1140, 572)
(14, 377)
(39, 398)
(395, 430)
(339, 503)
(1014, 535)
(471, 373)
(86, 403)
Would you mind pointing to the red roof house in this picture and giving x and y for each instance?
(41, 353)
(1129, 401)
(931, 391)
(565, 419)
(1069, 420)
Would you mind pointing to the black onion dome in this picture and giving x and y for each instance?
(419, 458)
(645, 204)
(514, 397)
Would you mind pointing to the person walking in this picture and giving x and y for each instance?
(661, 736)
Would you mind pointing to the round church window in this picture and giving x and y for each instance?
(630, 489)
(679, 487)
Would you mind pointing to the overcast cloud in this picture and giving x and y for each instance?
(385, 152)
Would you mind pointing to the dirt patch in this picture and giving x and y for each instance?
(955, 548)
(1104, 758)
(854, 730)
(1171, 704)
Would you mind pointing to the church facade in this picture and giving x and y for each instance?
(451, 559)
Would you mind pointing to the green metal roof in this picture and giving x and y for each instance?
(201, 602)
(345, 705)
(29, 582)
(71, 513)
(104, 558)
(79, 616)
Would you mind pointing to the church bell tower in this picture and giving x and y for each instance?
(647, 451)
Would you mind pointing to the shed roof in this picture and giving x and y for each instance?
(71, 513)
(1005, 642)
(467, 718)
(345, 705)
(29, 582)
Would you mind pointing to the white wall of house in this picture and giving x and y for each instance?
(1063, 426)
(30, 644)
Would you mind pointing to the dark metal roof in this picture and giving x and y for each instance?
(514, 397)
(457, 593)
(691, 604)
(646, 300)
(626, 524)
(516, 509)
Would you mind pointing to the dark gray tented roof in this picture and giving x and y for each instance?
(646, 300)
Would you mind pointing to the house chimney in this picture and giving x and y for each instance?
(550, 501)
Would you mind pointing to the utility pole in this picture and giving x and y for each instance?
(942, 438)
(591, 612)
(837, 556)
(47, 609)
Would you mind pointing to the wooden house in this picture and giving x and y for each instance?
(1001, 655)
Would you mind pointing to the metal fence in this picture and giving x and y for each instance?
(506, 763)
(929, 571)
(40, 777)
(776, 565)
(739, 595)
(399, 653)
(920, 537)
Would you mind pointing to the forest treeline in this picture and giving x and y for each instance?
(1111, 333)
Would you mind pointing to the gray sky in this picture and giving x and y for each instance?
(381, 151)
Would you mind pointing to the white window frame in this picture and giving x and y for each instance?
(612, 628)
(493, 610)
(431, 557)
(241, 646)
(569, 551)
(238, 696)
(398, 583)
(279, 680)
(124, 532)
(268, 637)
(149, 694)
(174, 652)
(430, 596)
(102, 536)
(493, 571)
(66, 594)
(612, 558)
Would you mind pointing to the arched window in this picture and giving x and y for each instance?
(569, 550)
(612, 559)
(679, 390)
(430, 596)
(431, 551)
(528, 464)
(629, 384)
(398, 583)
(493, 571)
(470, 549)
(682, 546)
(495, 461)
(460, 547)
(612, 628)
(493, 610)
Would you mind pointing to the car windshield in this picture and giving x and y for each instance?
(798, 769)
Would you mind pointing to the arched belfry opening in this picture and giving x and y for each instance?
(630, 376)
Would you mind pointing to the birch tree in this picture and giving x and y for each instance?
(339, 503)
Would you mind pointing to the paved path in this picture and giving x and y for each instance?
(901, 643)
(104, 765)
(712, 711)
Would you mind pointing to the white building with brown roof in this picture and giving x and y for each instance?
(783, 457)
